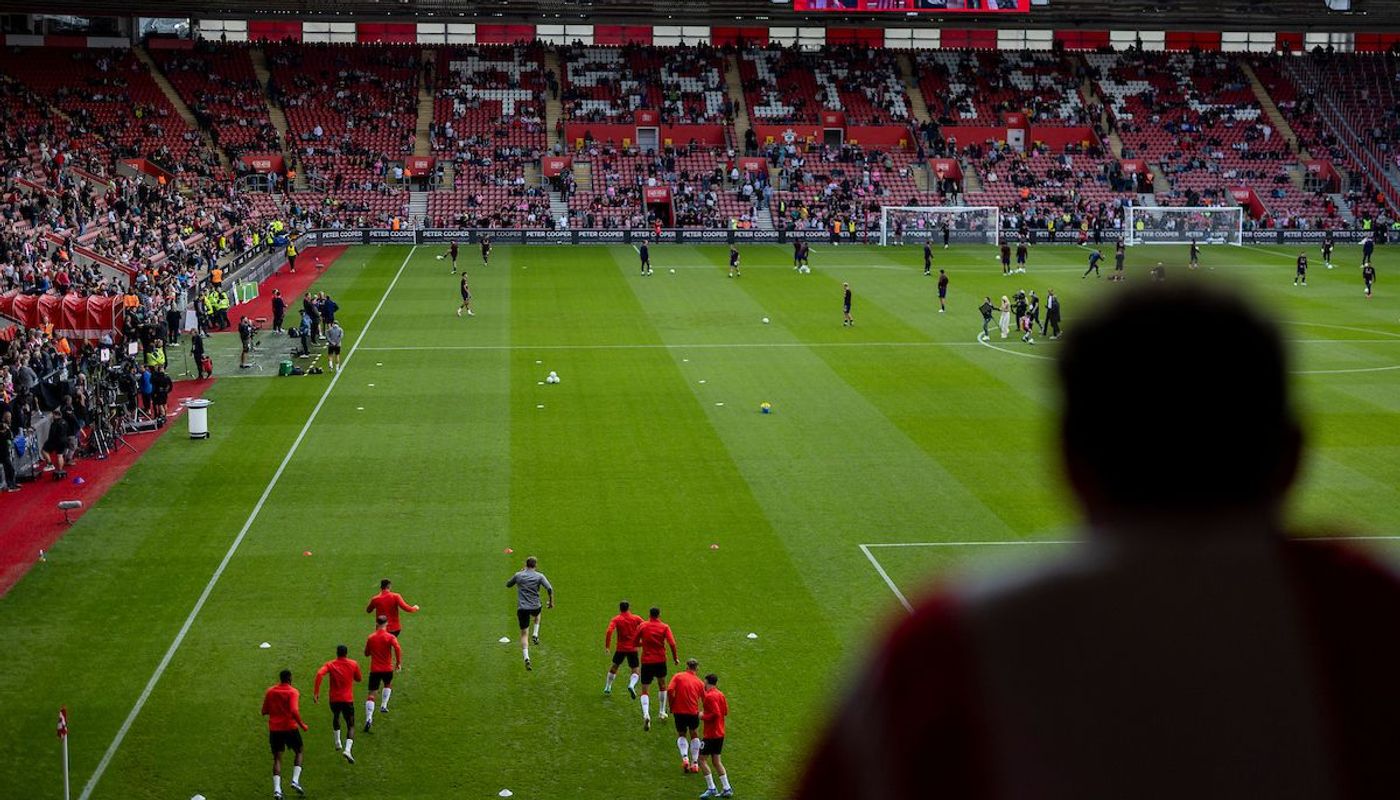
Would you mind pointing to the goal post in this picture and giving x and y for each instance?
(919, 224)
(1184, 224)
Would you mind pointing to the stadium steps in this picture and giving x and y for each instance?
(422, 144)
(275, 114)
(449, 174)
(1281, 126)
(553, 107)
(971, 181)
(917, 107)
(1091, 97)
(1343, 208)
(735, 87)
(532, 174)
(558, 206)
(179, 104)
(417, 205)
(583, 176)
(1160, 184)
(764, 219)
(1147, 200)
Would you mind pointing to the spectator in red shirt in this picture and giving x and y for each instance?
(284, 727)
(1188, 647)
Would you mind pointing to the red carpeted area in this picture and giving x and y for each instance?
(30, 520)
(292, 284)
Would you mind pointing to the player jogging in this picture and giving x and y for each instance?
(485, 250)
(942, 291)
(1327, 244)
(466, 298)
(716, 708)
(385, 658)
(1368, 247)
(733, 261)
(344, 673)
(1005, 257)
(452, 254)
(625, 625)
(847, 320)
(928, 259)
(1022, 253)
(644, 253)
(1195, 255)
(685, 690)
(1368, 274)
(653, 636)
(1301, 274)
(1094, 258)
(387, 604)
(797, 254)
(527, 583)
(284, 726)
(804, 255)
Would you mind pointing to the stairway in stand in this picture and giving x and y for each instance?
(422, 143)
(918, 109)
(553, 109)
(275, 115)
(764, 219)
(417, 206)
(181, 107)
(1266, 102)
(735, 87)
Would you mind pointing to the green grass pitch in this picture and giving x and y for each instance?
(439, 447)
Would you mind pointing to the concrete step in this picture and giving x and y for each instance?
(1160, 184)
(735, 88)
(422, 144)
(275, 115)
(1147, 200)
(1343, 210)
(917, 107)
(583, 176)
(181, 108)
(764, 219)
(971, 183)
(553, 108)
(1275, 117)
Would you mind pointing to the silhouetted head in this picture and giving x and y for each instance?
(285, 676)
(1176, 402)
(655, 613)
(342, 651)
(624, 606)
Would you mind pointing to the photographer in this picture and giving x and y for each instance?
(7, 462)
(160, 393)
(246, 329)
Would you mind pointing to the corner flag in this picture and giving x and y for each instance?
(62, 722)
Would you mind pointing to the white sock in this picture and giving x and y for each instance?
(276, 784)
(337, 738)
(683, 746)
(537, 628)
(527, 653)
(296, 774)
(632, 681)
(663, 703)
(369, 711)
(724, 781)
(611, 677)
(384, 704)
(710, 780)
(695, 751)
(646, 707)
(348, 744)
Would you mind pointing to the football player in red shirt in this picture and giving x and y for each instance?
(387, 604)
(385, 658)
(685, 690)
(625, 624)
(716, 709)
(653, 636)
(284, 726)
(344, 673)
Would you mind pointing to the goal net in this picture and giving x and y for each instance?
(1183, 225)
(919, 224)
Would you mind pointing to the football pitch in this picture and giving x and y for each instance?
(899, 452)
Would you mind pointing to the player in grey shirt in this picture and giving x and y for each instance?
(527, 583)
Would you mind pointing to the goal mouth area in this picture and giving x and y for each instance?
(929, 224)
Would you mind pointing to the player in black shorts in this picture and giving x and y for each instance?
(485, 250)
(1327, 244)
(928, 259)
(1119, 254)
(1022, 252)
(797, 254)
(942, 291)
(1368, 274)
(644, 253)
(466, 298)
(805, 255)
(946, 233)
(1302, 272)
(1005, 256)
(733, 262)
(847, 320)
(1195, 255)
(452, 254)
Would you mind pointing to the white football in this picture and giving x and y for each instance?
(765, 320)
(673, 270)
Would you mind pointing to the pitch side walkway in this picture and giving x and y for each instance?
(30, 520)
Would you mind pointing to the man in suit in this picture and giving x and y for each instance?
(1052, 314)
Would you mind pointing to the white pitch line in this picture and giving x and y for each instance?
(233, 549)
(897, 593)
(657, 346)
(1015, 352)
(904, 601)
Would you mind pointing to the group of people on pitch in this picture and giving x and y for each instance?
(282, 702)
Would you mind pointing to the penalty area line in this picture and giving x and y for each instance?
(233, 549)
